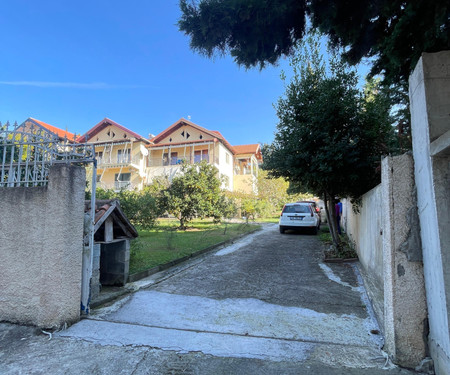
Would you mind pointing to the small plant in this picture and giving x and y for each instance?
(346, 249)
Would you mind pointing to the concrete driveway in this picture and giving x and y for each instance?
(265, 305)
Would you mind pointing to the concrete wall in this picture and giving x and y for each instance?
(386, 235)
(430, 114)
(41, 242)
(405, 309)
(365, 229)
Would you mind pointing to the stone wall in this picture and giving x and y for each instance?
(41, 242)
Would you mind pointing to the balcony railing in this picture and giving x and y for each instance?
(120, 185)
(116, 185)
(104, 161)
(177, 161)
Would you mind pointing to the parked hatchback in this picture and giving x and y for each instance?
(299, 215)
(316, 209)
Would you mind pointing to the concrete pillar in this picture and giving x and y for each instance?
(429, 91)
(405, 310)
(95, 280)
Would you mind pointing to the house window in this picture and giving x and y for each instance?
(122, 180)
(173, 160)
(227, 158)
(201, 155)
(99, 157)
(99, 177)
(123, 156)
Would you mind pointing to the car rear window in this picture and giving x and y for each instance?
(296, 209)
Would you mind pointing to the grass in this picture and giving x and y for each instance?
(324, 234)
(274, 219)
(165, 242)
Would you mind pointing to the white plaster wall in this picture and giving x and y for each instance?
(430, 110)
(365, 230)
(225, 168)
(41, 242)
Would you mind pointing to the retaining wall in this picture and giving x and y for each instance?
(41, 242)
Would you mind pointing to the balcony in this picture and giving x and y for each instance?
(118, 161)
(116, 185)
(176, 161)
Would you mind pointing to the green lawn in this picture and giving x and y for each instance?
(274, 219)
(165, 243)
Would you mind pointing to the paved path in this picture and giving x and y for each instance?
(266, 305)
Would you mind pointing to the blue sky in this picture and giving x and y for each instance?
(71, 64)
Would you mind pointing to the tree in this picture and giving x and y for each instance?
(393, 33)
(276, 192)
(194, 193)
(330, 136)
(141, 207)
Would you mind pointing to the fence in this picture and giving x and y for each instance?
(25, 156)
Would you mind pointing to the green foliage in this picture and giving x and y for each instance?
(276, 192)
(272, 195)
(194, 193)
(141, 207)
(393, 33)
(330, 137)
(255, 32)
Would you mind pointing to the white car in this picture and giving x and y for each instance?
(299, 215)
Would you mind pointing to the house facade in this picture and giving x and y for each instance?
(126, 160)
(121, 155)
(246, 166)
(185, 142)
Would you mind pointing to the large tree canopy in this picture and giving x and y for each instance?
(330, 136)
(393, 33)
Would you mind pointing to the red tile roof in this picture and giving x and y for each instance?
(103, 124)
(247, 149)
(103, 209)
(59, 132)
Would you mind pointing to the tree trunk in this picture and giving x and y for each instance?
(331, 215)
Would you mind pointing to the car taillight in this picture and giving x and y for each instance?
(281, 214)
(317, 209)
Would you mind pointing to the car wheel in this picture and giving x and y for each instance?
(282, 230)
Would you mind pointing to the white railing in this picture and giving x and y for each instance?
(104, 161)
(177, 161)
